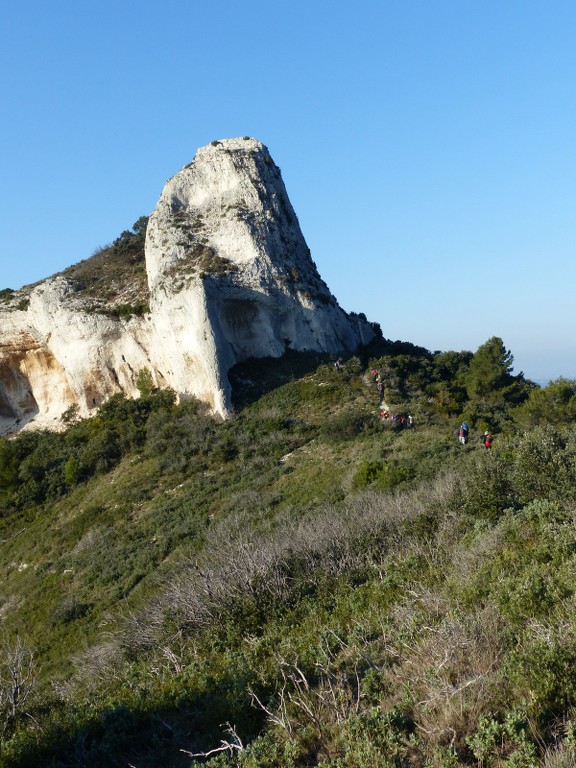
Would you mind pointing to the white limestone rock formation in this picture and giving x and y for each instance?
(229, 275)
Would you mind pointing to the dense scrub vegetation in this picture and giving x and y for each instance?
(305, 584)
(113, 280)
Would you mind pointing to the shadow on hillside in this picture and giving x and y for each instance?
(162, 734)
(257, 376)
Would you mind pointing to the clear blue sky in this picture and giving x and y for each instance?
(428, 146)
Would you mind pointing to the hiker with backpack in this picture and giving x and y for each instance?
(487, 439)
(463, 433)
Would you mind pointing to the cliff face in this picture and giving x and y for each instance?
(229, 276)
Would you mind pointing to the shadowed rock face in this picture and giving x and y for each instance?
(230, 277)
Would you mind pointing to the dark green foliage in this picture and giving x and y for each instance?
(131, 241)
(38, 467)
(70, 610)
(552, 404)
(489, 370)
(127, 310)
(491, 387)
(145, 383)
(175, 441)
(6, 294)
(11, 454)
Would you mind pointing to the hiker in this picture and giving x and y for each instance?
(410, 421)
(338, 364)
(487, 439)
(374, 374)
(380, 388)
(463, 433)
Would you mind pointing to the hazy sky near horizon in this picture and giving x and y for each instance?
(428, 148)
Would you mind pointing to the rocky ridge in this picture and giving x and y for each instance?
(229, 277)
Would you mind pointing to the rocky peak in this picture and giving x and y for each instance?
(228, 214)
(229, 277)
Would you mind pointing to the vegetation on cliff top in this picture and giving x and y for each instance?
(304, 584)
(113, 280)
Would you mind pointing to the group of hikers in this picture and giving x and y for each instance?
(397, 419)
(408, 421)
(463, 434)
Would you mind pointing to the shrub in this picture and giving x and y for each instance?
(69, 610)
(6, 294)
(343, 426)
(510, 739)
(553, 404)
(545, 464)
(381, 475)
(131, 241)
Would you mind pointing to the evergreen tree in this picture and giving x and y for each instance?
(489, 370)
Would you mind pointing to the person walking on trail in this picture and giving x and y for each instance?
(410, 421)
(463, 433)
(380, 388)
(487, 440)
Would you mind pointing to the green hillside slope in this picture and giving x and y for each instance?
(306, 584)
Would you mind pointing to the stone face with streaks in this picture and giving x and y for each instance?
(230, 277)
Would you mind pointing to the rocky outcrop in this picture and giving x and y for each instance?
(230, 277)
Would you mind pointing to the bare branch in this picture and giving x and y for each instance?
(230, 746)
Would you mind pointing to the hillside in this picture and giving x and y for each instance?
(306, 584)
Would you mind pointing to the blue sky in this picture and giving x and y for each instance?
(428, 147)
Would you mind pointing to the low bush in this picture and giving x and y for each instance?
(344, 426)
(381, 475)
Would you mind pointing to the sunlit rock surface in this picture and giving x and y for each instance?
(230, 277)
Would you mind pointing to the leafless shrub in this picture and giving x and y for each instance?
(97, 664)
(452, 672)
(17, 678)
(144, 628)
(469, 555)
(262, 568)
(563, 756)
(326, 698)
(91, 540)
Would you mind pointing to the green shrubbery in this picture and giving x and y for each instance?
(6, 295)
(381, 475)
(339, 593)
(39, 467)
